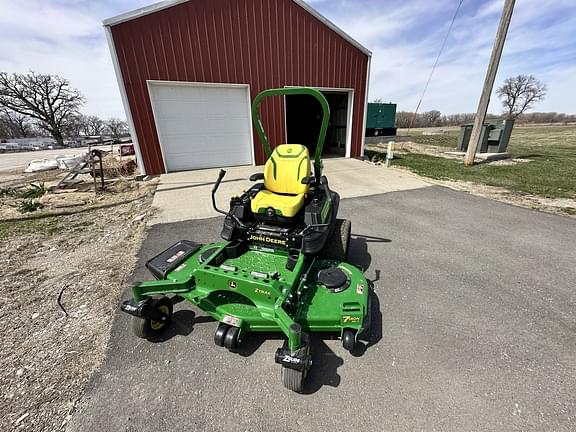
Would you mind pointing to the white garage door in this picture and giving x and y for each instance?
(202, 126)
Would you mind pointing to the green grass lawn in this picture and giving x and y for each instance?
(551, 171)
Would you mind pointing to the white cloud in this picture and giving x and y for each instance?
(59, 39)
(401, 65)
(65, 37)
(43, 19)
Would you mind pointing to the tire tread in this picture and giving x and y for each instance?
(336, 247)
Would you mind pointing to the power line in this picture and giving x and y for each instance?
(436, 62)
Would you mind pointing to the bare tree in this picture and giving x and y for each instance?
(75, 126)
(431, 118)
(548, 117)
(434, 118)
(6, 130)
(378, 100)
(520, 93)
(22, 124)
(116, 127)
(48, 99)
(403, 119)
(457, 119)
(14, 125)
(93, 126)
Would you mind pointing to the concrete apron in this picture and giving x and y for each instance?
(185, 195)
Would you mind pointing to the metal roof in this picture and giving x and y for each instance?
(147, 10)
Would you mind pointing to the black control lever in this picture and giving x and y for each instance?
(221, 175)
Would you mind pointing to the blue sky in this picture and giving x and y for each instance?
(65, 37)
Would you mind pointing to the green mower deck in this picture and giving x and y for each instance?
(255, 288)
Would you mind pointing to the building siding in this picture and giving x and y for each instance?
(263, 43)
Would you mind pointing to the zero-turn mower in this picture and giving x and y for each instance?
(280, 268)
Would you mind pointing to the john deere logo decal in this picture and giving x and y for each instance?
(266, 239)
(232, 284)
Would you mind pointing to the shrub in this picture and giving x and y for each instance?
(7, 191)
(34, 191)
(29, 205)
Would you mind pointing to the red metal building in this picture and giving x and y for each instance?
(188, 69)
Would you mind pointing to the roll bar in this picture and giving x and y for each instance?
(293, 91)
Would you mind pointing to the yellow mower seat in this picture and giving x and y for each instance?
(285, 205)
(283, 174)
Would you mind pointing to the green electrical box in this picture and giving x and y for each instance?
(494, 137)
(381, 119)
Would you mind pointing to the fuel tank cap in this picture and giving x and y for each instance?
(333, 278)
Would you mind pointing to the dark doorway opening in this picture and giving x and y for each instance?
(304, 117)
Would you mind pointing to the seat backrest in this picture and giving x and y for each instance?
(285, 169)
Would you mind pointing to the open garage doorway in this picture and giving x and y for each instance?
(304, 116)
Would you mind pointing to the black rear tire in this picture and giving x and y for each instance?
(336, 247)
(147, 329)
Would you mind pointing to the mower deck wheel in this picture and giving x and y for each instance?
(146, 328)
(349, 340)
(220, 334)
(231, 338)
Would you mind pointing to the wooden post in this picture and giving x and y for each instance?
(489, 82)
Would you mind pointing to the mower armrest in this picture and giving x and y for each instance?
(256, 177)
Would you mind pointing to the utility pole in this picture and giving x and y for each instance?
(489, 81)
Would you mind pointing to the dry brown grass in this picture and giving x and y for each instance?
(49, 355)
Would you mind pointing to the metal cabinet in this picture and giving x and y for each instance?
(494, 137)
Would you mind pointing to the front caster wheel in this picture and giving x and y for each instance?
(349, 340)
(293, 379)
(231, 338)
(146, 328)
(220, 334)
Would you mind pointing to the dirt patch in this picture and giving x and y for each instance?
(507, 162)
(377, 153)
(409, 146)
(61, 192)
(16, 178)
(48, 354)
